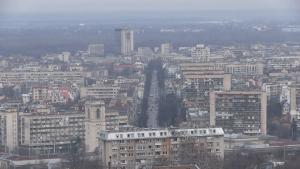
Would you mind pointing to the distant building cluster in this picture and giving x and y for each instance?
(224, 94)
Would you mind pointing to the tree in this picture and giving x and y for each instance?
(78, 159)
(280, 131)
(191, 152)
(244, 159)
(274, 109)
(294, 130)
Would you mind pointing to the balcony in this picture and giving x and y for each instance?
(251, 131)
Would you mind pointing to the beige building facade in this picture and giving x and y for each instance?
(9, 128)
(145, 147)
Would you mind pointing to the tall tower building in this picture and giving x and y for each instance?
(123, 40)
(200, 53)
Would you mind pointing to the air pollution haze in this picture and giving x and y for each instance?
(53, 25)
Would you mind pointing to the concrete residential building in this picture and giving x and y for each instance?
(145, 51)
(200, 53)
(144, 147)
(124, 42)
(97, 49)
(39, 93)
(47, 77)
(50, 132)
(239, 112)
(196, 88)
(245, 68)
(278, 92)
(295, 103)
(9, 135)
(166, 48)
(99, 91)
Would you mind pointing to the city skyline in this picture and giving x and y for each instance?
(34, 6)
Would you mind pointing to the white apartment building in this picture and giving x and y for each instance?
(50, 77)
(200, 53)
(279, 91)
(124, 42)
(54, 67)
(166, 48)
(285, 64)
(172, 69)
(96, 49)
(26, 98)
(245, 68)
(137, 148)
(99, 91)
(123, 80)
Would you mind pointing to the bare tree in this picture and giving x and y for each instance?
(244, 158)
(78, 159)
(194, 152)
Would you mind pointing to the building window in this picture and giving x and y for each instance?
(165, 152)
(89, 114)
(98, 113)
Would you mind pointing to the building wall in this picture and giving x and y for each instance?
(99, 91)
(239, 112)
(39, 93)
(9, 128)
(295, 103)
(145, 147)
(200, 54)
(50, 131)
(124, 40)
(51, 77)
(94, 123)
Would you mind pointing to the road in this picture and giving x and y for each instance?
(153, 101)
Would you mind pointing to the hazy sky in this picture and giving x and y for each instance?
(123, 5)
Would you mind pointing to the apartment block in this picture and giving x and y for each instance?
(96, 49)
(47, 77)
(279, 91)
(124, 42)
(145, 147)
(52, 133)
(196, 88)
(295, 103)
(99, 91)
(245, 68)
(200, 53)
(9, 130)
(239, 112)
(39, 93)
